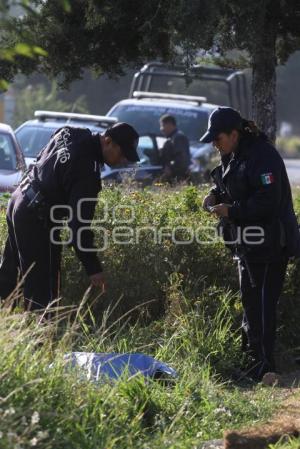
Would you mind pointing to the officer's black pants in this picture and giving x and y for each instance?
(260, 307)
(28, 250)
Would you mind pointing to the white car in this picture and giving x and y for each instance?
(34, 134)
(12, 163)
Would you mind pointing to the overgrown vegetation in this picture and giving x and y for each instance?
(32, 98)
(48, 408)
(289, 146)
(192, 324)
(292, 443)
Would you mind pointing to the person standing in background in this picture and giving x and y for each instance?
(175, 154)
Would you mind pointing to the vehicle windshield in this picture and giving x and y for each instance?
(8, 159)
(33, 138)
(145, 119)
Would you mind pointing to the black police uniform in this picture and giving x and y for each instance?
(67, 170)
(254, 181)
(176, 155)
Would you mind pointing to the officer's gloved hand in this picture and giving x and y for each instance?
(209, 201)
(98, 280)
(221, 210)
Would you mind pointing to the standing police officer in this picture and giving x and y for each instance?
(65, 181)
(175, 154)
(252, 192)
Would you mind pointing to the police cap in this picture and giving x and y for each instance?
(222, 119)
(127, 137)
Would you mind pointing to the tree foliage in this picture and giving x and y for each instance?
(15, 51)
(242, 25)
(104, 36)
(108, 37)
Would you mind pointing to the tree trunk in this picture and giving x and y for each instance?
(264, 79)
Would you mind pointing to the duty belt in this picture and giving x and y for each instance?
(36, 201)
(34, 196)
(30, 193)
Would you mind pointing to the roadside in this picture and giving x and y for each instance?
(293, 169)
(280, 431)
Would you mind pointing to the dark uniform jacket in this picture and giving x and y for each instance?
(68, 170)
(176, 154)
(255, 182)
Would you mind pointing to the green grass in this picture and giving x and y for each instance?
(289, 146)
(56, 407)
(292, 443)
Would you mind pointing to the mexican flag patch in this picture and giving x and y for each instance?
(267, 178)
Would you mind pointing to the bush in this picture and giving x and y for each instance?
(289, 146)
(141, 271)
(145, 276)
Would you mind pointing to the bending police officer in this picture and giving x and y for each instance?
(252, 191)
(64, 182)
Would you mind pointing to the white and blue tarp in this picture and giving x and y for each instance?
(113, 365)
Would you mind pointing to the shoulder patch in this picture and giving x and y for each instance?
(267, 178)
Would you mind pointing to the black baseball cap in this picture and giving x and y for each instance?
(222, 119)
(127, 137)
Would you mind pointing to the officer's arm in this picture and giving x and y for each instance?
(85, 185)
(216, 190)
(264, 176)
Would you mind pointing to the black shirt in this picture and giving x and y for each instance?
(176, 153)
(68, 170)
(255, 182)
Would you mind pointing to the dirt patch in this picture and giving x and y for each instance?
(260, 437)
(285, 423)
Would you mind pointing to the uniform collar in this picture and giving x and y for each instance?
(244, 148)
(172, 133)
(230, 161)
(233, 160)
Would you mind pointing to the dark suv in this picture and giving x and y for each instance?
(191, 112)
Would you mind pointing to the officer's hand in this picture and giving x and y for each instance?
(98, 280)
(209, 201)
(220, 210)
(167, 173)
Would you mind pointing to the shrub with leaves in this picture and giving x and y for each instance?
(150, 275)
